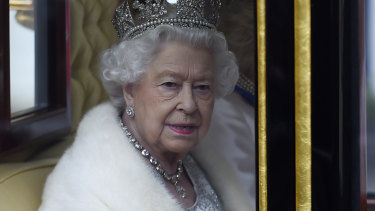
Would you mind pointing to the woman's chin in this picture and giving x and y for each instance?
(182, 146)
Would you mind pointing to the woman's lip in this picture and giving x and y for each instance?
(188, 128)
(183, 125)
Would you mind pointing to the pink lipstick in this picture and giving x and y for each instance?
(184, 129)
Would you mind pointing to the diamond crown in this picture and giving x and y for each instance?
(133, 17)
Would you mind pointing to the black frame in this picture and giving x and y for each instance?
(4, 73)
(338, 105)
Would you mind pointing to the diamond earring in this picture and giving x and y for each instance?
(130, 111)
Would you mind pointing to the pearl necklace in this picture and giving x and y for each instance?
(174, 178)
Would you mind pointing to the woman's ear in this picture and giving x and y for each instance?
(128, 93)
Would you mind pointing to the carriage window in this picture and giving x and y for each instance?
(34, 107)
(370, 36)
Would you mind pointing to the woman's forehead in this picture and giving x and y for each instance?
(179, 59)
(176, 50)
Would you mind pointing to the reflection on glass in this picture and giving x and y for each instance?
(22, 56)
(370, 35)
(234, 115)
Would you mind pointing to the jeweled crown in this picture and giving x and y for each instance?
(133, 17)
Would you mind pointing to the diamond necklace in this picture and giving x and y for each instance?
(174, 178)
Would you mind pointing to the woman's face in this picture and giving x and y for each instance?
(174, 100)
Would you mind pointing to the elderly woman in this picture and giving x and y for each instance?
(162, 78)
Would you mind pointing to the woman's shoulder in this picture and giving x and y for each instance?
(102, 112)
(83, 163)
(228, 151)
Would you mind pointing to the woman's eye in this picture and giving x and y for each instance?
(170, 84)
(203, 87)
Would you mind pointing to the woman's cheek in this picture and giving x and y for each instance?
(168, 93)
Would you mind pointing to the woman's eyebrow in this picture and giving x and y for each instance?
(174, 74)
(168, 73)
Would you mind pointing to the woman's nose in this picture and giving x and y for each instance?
(187, 102)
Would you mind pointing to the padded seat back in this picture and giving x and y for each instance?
(21, 184)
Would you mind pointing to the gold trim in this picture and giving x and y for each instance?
(262, 127)
(302, 80)
(21, 5)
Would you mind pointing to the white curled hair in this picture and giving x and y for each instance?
(127, 61)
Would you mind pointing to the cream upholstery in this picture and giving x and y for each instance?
(91, 34)
(21, 184)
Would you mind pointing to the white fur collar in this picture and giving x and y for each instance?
(100, 165)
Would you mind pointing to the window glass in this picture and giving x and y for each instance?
(370, 60)
(22, 56)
